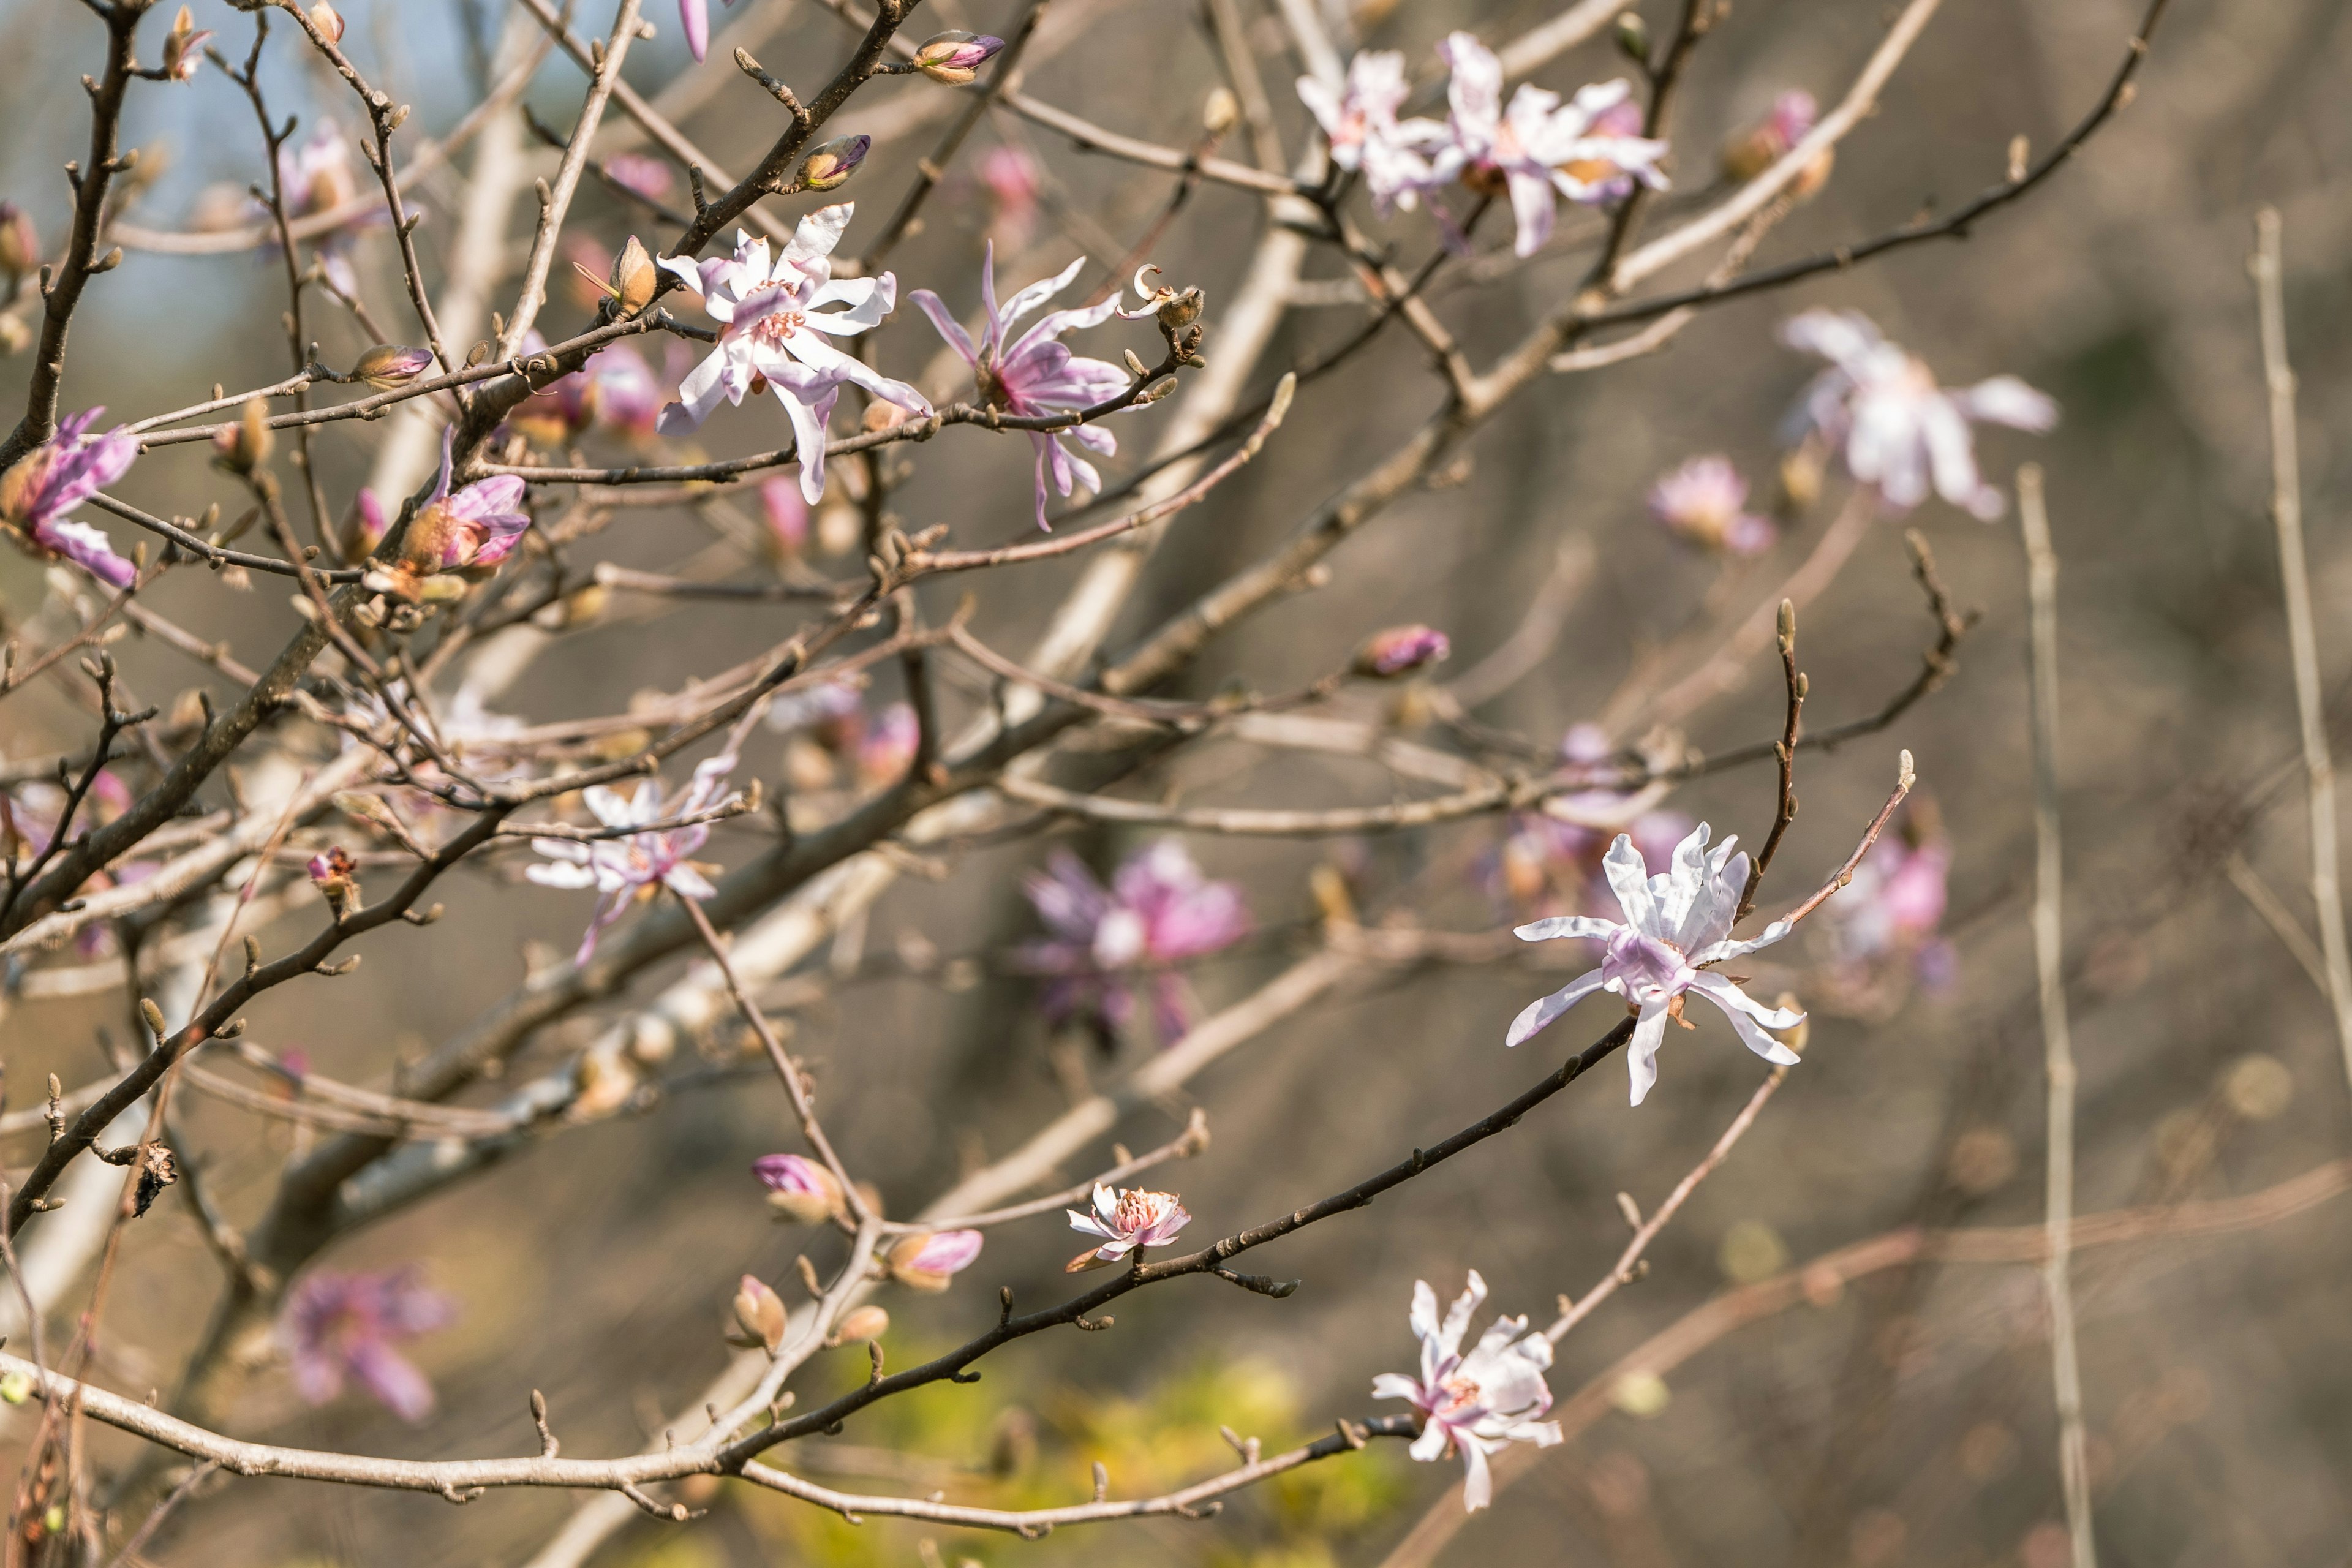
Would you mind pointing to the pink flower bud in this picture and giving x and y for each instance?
(20, 245)
(183, 47)
(798, 1187)
(332, 874)
(641, 174)
(787, 516)
(956, 57)
(831, 164)
(1401, 650)
(928, 1262)
(388, 365)
(760, 1313)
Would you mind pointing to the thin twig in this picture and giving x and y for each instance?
(2058, 1051)
(2303, 639)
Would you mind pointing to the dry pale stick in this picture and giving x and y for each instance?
(2058, 1050)
(2303, 639)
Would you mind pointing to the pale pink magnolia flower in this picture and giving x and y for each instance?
(616, 389)
(1880, 407)
(1127, 1221)
(1538, 150)
(774, 335)
(1675, 924)
(930, 1262)
(52, 478)
(1034, 375)
(1361, 125)
(455, 538)
(1158, 911)
(884, 751)
(824, 702)
(1891, 912)
(647, 858)
(338, 1326)
(1791, 117)
(1704, 501)
(1479, 1403)
(316, 176)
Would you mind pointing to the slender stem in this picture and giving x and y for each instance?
(2303, 640)
(2058, 1050)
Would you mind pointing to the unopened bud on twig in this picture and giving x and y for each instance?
(333, 874)
(928, 1262)
(245, 445)
(798, 1187)
(1222, 113)
(388, 365)
(20, 243)
(155, 1017)
(183, 47)
(868, 1322)
(1633, 36)
(1401, 650)
(956, 57)
(761, 1312)
(327, 20)
(830, 164)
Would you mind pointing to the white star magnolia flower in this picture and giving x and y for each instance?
(1128, 1221)
(775, 335)
(1880, 407)
(1481, 1402)
(1676, 925)
(648, 858)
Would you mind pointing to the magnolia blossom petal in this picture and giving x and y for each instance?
(1559, 926)
(1629, 879)
(1538, 1015)
(87, 548)
(949, 328)
(1477, 1481)
(1641, 1052)
(2005, 400)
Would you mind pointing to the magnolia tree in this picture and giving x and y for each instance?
(207, 862)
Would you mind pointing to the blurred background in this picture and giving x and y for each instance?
(1903, 1417)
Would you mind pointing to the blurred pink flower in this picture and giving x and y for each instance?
(1537, 151)
(1034, 375)
(1401, 650)
(315, 177)
(1898, 431)
(43, 486)
(1889, 915)
(1704, 501)
(1478, 1404)
(1676, 924)
(884, 751)
(786, 515)
(642, 175)
(1361, 126)
(336, 1326)
(1158, 911)
(1127, 1221)
(1014, 182)
(646, 857)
